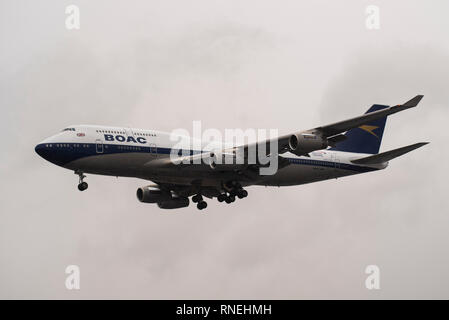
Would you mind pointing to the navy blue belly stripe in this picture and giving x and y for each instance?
(63, 153)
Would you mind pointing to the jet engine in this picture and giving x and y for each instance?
(152, 194)
(303, 143)
(174, 203)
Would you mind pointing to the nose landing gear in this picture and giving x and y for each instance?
(81, 185)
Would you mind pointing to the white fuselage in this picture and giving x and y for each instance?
(134, 153)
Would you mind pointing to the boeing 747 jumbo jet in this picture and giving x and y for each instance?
(340, 149)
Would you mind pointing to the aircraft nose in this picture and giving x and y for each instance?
(39, 149)
(42, 150)
(57, 153)
(46, 151)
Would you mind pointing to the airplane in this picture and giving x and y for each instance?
(336, 150)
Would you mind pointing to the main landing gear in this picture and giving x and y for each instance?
(232, 191)
(235, 191)
(200, 203)
(81, 185)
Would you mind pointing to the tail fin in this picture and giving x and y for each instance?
(366, 138)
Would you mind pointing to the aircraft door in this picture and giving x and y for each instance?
(335, 163)
(99, 145)
(153, 149)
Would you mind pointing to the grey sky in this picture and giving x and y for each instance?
(248, 64)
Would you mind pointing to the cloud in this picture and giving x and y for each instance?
(232, 67)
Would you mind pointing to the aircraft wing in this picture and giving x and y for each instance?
(332, 133)
(182, 161)
(206, 160)
(312, 139)
(345, 125)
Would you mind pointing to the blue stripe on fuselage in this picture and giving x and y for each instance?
(63, 153)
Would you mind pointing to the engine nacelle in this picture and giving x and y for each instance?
(303, 143)
(174, 203)
(150, 194)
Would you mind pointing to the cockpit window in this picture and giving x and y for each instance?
(69, 129)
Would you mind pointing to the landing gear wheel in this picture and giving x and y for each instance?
(82, 186)
(242, 193)
(221, 197)
(230, 199)
(197, 198)
(201, 205)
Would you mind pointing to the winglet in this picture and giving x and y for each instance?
(413, 102)
(409, 104)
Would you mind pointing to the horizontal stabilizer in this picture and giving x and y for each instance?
(389, 155)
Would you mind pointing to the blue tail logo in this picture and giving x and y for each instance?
(366, 138)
